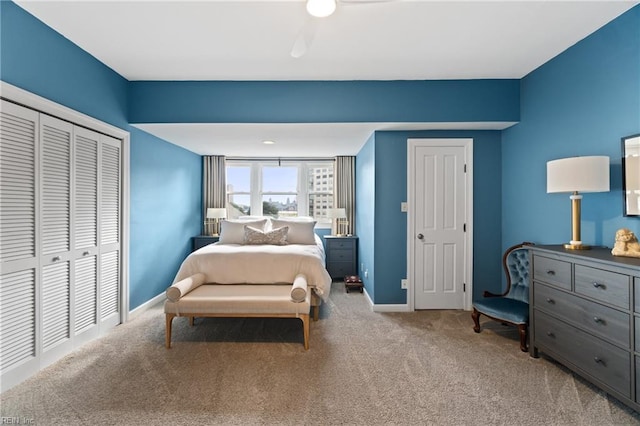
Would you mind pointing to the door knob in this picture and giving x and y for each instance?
(420, 237)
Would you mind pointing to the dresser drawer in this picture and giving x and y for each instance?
(609, 287)
(601, 360)
(600, 320)
(637, 339)
(637, 379)
(637, 294)
(552, 271)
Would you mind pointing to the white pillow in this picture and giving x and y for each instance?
(300, 232)
(232, 230)
(254, 236)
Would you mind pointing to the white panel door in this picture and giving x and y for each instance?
(438, 236)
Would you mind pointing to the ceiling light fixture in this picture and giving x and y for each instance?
(321, 8)
(268, 142)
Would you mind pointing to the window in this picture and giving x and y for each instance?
(287, 188)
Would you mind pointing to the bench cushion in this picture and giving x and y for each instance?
(238, 299)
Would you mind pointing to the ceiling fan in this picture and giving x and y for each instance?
(321, 9)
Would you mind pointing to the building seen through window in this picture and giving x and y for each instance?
(288, 189)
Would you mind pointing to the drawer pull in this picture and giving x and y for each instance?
(598, 360)
(599, 285)
(550, 334)
(86, 253)
(551, 272)
(597, 319)
(56, 259)
(550, 300)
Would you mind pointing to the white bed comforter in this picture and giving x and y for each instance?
(259, 264)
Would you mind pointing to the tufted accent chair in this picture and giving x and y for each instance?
(512, 306)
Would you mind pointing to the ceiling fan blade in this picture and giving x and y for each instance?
(304, 39)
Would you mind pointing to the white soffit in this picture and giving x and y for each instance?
(291, 140)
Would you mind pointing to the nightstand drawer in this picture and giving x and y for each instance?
(603, 361)
(341, 244)
(552, 271)
(340, 269)
(340, 255)
(607, 286)
(600, 320)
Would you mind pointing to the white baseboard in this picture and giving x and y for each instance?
(146, 306)
(390, 308)
(385, 307)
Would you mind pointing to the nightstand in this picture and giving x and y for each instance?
(203, 240)
(342, 256)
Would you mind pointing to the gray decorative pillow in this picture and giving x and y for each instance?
(254, 236)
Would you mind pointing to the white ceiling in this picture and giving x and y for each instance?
(252, 40)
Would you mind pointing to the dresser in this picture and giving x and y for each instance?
(203, 240)
(342, 256)
(585, 314)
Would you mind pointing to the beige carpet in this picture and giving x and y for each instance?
(363, 368)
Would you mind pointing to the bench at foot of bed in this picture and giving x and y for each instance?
(239, 300)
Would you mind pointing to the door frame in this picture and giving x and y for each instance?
(467, 144)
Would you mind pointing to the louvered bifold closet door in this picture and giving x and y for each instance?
(110, 228)
(85, 234)
(55, 178)
(18, 261)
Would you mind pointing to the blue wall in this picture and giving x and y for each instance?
(39, 60)
(165, 188)
(385, 158)
(579, 103)
(365, 213)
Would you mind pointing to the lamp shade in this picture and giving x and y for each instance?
(582, 174)
(216, 213)
(336, 213)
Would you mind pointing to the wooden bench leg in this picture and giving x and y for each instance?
(305, 328)
(316, 312)
(191, 321)
(167, 339)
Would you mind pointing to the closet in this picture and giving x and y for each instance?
(60, 238)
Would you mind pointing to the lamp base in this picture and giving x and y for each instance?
(570, 246)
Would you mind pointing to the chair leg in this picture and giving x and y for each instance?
(522, 329)
(476, 320)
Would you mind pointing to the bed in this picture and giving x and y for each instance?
(257, 266)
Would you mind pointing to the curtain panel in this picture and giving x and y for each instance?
(345, 189)
(214, 187)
